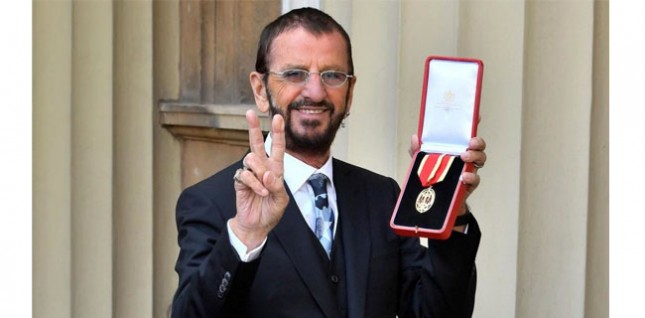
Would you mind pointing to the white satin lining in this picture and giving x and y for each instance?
(449, 106)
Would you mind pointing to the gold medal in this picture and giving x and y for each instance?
(425, 200)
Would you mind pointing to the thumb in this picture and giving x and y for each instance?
(414, 145)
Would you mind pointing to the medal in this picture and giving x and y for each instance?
(425, 200)
(432, 169)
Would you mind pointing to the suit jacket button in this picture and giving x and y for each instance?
(335, 279)
(223, 285)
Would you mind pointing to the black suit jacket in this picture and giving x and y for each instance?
(385, 274)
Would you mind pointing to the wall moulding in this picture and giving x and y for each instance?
(208, 122)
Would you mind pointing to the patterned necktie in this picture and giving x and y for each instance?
(324, 224)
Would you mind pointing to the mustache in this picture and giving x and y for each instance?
(302, 103)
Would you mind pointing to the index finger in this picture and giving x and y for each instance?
(256, 140)
(278, 143)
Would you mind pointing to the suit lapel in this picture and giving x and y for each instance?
(352, 201)
(298, 241)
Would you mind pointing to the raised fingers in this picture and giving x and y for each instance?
(278, 143)
(273, 178)
(254, 162)
(256, 140)
(261, 173)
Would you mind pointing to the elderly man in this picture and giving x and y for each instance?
(290, 231)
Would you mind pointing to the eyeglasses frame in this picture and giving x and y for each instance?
(320, 75)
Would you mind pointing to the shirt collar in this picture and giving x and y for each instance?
(297, 172)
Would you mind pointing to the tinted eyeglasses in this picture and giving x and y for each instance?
(301, 77)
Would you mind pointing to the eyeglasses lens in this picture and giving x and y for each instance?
(329, 78)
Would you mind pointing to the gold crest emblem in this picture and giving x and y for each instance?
(448, 97)
(425, 200)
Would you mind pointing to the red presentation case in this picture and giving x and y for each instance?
(433, 193)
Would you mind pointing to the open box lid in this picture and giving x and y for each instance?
(449, 104)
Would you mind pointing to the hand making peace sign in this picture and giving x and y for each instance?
(260, 195)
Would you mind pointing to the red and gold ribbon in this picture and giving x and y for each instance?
(434, 168)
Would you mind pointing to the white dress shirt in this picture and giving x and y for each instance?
(296, 174)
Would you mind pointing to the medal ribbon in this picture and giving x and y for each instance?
(434, 168)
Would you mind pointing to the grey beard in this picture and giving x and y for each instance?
(318, 145)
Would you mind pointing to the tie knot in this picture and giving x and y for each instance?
(318, 182)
